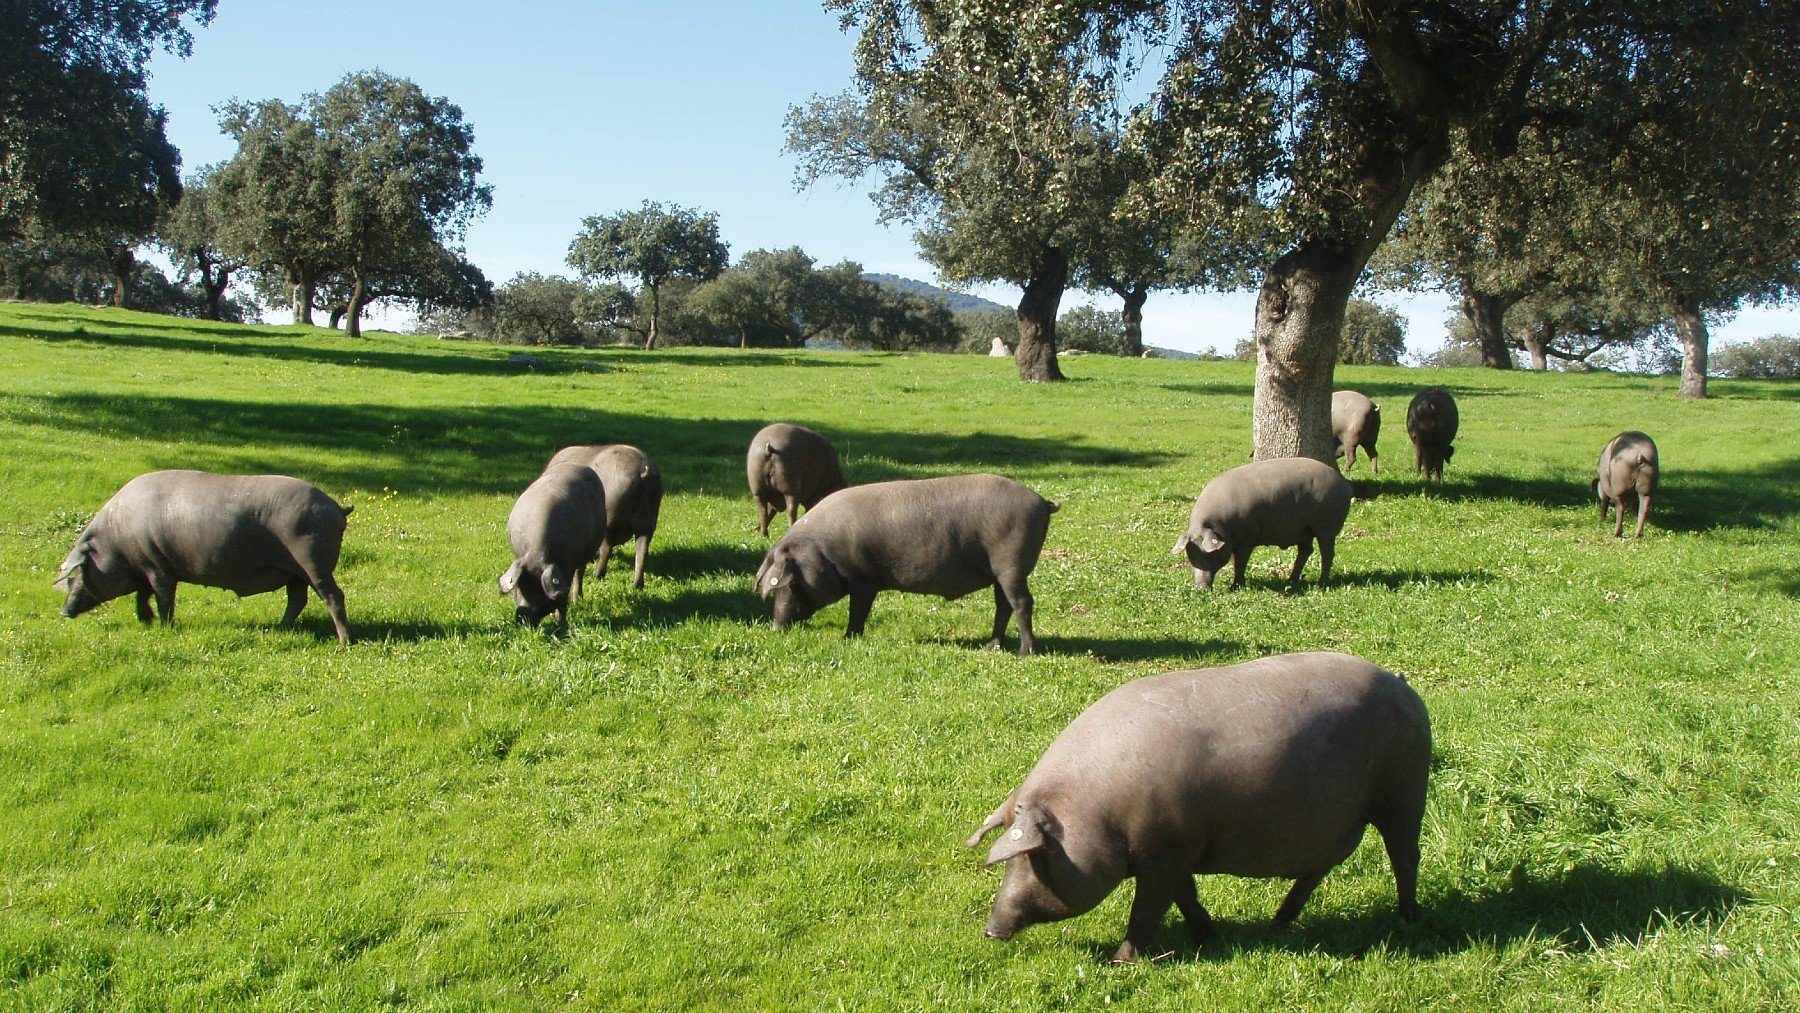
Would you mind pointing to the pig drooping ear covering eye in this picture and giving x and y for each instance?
(555, 530)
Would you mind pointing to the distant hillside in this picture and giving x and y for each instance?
(960, 302)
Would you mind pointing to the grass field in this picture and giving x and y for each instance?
(669, 805)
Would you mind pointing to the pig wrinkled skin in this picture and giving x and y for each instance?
(244, 533)
(790, 467)
(555, 529)
(942, 536)
(634, 493)
(1267, 769)
(1283, 502)
(1431, 421)
(1627, 477)
(1356, 422)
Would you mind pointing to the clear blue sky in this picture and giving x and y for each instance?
(591, 108)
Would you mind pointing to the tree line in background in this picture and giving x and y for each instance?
(1594, 181)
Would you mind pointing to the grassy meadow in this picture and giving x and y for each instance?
(668, 805)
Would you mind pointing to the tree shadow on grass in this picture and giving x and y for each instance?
(743, 358)
(497, 448)
(1579, 910)
(410, 630)
(357, 352)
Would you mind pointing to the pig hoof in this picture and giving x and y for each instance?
(1127, 954)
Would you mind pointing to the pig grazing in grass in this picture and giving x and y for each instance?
(244, 533)
(1431, 422)
(1356, 422)
(634, 493)
(1287, 501)
(790, 467)
(944, 536)
(1269, 769)
(1627, 478)
(555, 529)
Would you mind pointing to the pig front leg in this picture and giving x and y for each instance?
(1156, 889)
(1239, 561)
(860, 604)
(1296, 899)
(163, 588)
(144, 614)
(296, 594)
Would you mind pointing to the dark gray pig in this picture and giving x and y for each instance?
(1431, 423)
(944, 536)
(1356, 422)
(1288, 501)
(555, 529)
(1627, 477)
(634, 493)
(790, 467)
(244, 533)
(1268, 769)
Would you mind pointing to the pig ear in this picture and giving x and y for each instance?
(995, 819)
(555, 581)
(1181, 544)
(1032, 829)
(77, 556)
(510, 579)
(1210, 540)
(774, 571)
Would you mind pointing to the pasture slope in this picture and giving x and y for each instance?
(671, 806)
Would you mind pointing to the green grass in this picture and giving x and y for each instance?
(669, 805)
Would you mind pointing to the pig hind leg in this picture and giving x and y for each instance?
(144, 613)
(1643, 513)
(637, 566)
(1012, 596)
(1305, 553)
(1327, 549)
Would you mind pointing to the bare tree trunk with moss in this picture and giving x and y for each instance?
(1132, 316)
(213, 280)
(1486, 314)
(1537, 341)
(1299, 315)
(1690, 325)
(1036, 354)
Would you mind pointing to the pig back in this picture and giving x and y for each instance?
(559, 517)
(1267, 768)
(946, 536)
(1274, 502)
(244, 533)
(1627, 461)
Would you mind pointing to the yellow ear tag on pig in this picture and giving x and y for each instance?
(1016, 833)
(774, 580)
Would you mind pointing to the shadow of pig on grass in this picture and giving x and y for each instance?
(1583, 909)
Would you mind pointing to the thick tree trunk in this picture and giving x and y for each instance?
(337, 317)
(1691, 326)
(1487, 315)
(1299, 315)
(1536, 343)
(1036, 354)
(1132, 315)
(304, 285)
(212, 284)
